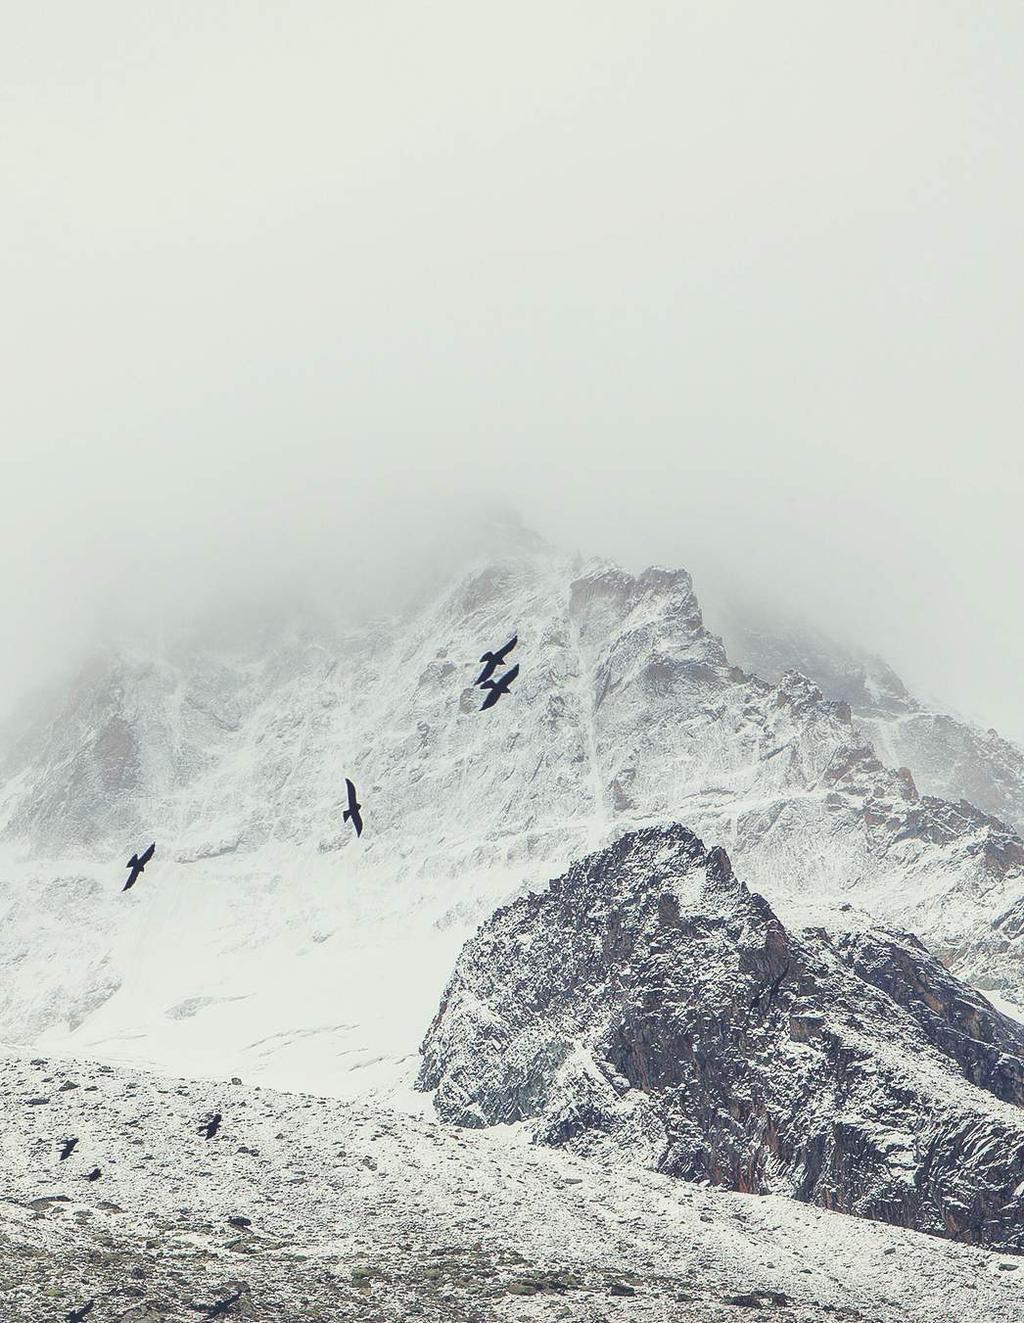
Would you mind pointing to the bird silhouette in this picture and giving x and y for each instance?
(352, 812)
(136, 865)
(68, 1149)
(498, 687)
(492, 660)
(221, 1307)
(76, 1315)
(94, 1175)
(771, 989)
(213, 1125)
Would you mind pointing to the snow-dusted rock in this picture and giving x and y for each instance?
(320, 1210)
(646, 1001)
(951, 758)
(232, 757)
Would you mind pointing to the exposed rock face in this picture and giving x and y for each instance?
(627, 712)
(647, 1000)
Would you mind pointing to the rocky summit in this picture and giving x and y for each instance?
(647, 1003)
(231, 753)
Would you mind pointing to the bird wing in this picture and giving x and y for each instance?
(508, 646)
(486, 673)
(509, 676)
(148, 854)
(357, 821)
(492, 696)
(351, 792)
(133, 862)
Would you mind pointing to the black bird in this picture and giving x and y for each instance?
(76, 1315)
(222, 1306)
(492, 660)
(771, 989)
(498, 687)
(213, 1125)
(352, 812)
(136, 864)
(241, 1223)
(68, 1149)
(94, 1175)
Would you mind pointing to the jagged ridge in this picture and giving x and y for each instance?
(647, 1000)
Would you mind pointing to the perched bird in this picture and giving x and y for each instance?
(213, 1125)
(222, 1306)
(68, 1149)
(136, 865)
(94, 1175)
(241, 1223)
(352, 812)
(492, 660)
(76, 1315)
(498, 687)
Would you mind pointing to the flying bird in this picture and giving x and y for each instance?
(68, 1149)
(771, 989)
(213, 1125)
(492, 660)
(94, 1175)
(222, 1306)
(136, 866)
(352, 812)
(76, 1315)
(498, 687)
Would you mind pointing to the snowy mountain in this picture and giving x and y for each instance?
(266, 939)
(648, 1003)
(316, 1209)
(950, 757)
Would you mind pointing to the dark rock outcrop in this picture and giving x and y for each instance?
(648, 1002)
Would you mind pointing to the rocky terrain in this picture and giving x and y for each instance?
(315, 1209)
(250, 941)
(951, 758)
(647, 1003)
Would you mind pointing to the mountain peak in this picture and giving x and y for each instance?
(706, 1040)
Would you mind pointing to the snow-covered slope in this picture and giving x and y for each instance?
(264, 937)
(648, 1002)
(950, 757)
(357, 1212)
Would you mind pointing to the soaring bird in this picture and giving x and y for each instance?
(94, 1175)
(68, 1149)
(222, 1306)
(352, 812)
(492, 660)
(76, 1315)
(213, 1125)
(136, 864)
(498, 687)
(771, 989)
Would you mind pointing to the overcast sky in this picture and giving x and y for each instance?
(734, 286)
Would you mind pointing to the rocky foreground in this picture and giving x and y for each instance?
(315, 1209)
(647, 1003)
